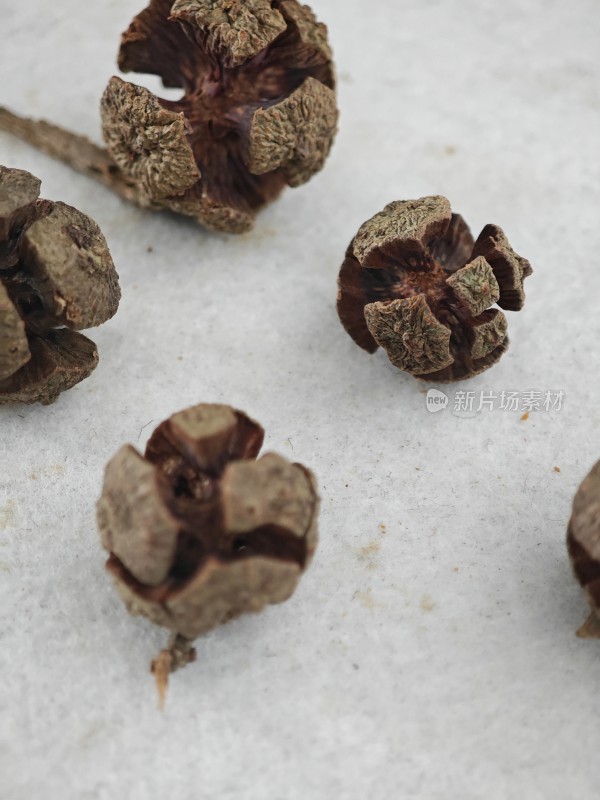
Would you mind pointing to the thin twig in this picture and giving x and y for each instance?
(178, 654)
(77, 151)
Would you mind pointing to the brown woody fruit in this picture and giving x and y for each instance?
(199, 531)
(56, 277)
(583, 543)
(258, 110)
(416, 283)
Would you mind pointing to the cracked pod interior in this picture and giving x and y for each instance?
(258, 108)
(199, 529)
(417, 284)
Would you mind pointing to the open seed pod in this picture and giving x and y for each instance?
(257, 113)
(56, 278)
(417, 284)
(258, 109)
(583, 542)
(199, 531)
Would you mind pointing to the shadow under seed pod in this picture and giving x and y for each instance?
(56, 278)
(416, 283)
(199, 531)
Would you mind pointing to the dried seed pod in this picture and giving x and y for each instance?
(199, 531)
(258, 110)
(583, 542)
(56, 278)
(416, 283)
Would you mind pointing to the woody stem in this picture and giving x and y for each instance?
(179, 653)
(77, 151)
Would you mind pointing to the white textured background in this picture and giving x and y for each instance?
(434, 657)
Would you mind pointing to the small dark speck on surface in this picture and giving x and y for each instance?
(427, 604)
(556, 469)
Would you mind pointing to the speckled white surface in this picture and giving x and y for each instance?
(430, 651)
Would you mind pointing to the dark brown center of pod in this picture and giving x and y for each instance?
(194, 497)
